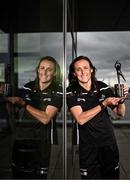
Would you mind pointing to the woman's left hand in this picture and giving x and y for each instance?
(16, 100)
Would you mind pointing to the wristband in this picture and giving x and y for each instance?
(102, 106)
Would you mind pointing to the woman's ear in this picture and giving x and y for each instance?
(91, 70)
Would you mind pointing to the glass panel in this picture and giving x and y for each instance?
(104, 49)
(25, 63)
(20, 55)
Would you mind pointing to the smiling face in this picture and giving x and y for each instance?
(83, 71)
(46, 71)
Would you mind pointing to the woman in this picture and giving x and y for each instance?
(88, 100)
(41, 100)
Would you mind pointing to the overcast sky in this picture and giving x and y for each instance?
(104, 49)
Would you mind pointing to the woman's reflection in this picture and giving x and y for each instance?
(40, 100)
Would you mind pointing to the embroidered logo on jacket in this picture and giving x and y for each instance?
(46, 99)
(81, 99)
(102, 97)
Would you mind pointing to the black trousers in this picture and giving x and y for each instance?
(99, 162)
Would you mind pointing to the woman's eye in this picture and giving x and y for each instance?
(77, 69)
(49, 69)
(85, 67)
(41, 68)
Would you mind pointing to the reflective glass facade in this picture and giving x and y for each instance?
(19, 56)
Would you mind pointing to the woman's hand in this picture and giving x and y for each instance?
(111, 101)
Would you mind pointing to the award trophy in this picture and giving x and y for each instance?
(119, 87)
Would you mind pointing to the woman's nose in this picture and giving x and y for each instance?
(83, 71)
(44, 72)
